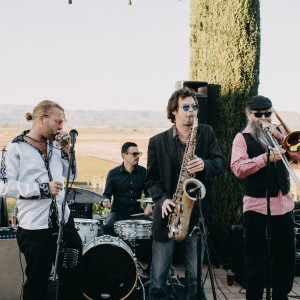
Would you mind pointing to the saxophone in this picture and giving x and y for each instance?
(184, 198)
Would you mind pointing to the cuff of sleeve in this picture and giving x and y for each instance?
(282, 140)
(45, 190)
(64, 155)
(260, 161)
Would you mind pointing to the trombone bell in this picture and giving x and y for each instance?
(292, 142)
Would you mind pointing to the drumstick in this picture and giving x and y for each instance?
(135, 215)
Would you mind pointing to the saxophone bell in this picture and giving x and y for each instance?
(192, 186)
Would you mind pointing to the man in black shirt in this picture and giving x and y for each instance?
(126, 184)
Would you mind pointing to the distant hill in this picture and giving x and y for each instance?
(13, 115)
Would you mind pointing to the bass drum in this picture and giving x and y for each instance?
(110, 270)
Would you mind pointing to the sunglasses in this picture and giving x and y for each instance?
(186, 107)
(260, 114)
(58, 122)
(135, 154)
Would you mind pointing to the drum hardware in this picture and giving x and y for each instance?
(102, 220)
(141, 267)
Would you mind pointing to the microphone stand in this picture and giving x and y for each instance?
(268, 239)
(62, 222)
(202, 234)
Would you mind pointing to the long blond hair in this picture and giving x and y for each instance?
(43, 108)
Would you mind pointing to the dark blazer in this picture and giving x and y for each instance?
(163, 171)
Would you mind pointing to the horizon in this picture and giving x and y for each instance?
(98, 55)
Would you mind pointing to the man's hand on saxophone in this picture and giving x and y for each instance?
(195, 165)
(167, 207)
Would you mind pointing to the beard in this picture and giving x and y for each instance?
(258, 133)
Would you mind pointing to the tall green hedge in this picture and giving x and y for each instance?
(225, 51)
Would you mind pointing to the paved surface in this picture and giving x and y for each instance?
(235, 292)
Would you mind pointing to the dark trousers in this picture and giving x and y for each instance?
(282, 250)
(39, 248)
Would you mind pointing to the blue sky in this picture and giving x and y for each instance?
(103, 54)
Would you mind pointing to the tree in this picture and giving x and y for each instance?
(225, 51)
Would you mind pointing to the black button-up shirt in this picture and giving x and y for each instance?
(125, 188)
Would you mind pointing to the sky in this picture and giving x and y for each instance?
(104, 54)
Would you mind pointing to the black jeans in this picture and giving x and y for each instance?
(282, 250)
(39, 248)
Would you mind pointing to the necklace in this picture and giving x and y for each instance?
(35, 140)
(42, 142)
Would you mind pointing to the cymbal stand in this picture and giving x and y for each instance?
(134, 245)
(202, 235)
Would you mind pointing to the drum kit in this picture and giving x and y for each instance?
(111, 269)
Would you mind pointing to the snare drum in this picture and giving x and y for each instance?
(110, 270)
(87, 229)
(133, 229)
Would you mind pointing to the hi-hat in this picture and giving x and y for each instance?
(145, 200)
(83, 196)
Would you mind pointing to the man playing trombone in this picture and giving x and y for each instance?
(249, 161)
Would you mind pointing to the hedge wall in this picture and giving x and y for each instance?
(225, 51)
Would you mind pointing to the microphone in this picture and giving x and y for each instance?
(193, 191)
(70, 258)
(73, 134)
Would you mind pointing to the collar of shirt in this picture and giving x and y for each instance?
(176, 136)
(20, 137)
(122, 168)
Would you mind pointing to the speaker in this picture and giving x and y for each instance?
(237, 254)
(12, 273)
(238, 258)
(200, 89)
(81, 210)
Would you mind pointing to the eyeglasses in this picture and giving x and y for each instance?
(58, 122)
(260, 114)
(186, 107)
(135, 154)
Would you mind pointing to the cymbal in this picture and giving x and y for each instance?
(83, 196)
(145, 200)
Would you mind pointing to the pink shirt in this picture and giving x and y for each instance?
(243, 166)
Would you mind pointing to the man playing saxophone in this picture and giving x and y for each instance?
(248, 161)
(165, 156)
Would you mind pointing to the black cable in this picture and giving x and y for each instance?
(214, 275)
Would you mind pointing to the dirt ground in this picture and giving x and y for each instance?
(106, 144)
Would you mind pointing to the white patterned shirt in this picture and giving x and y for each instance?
(25, 175)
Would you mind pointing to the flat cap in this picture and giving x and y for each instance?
(259, 103)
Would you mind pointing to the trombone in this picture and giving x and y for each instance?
(292, 140)
(291, 144)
